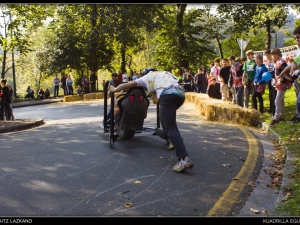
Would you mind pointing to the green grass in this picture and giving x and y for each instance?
(290, 136)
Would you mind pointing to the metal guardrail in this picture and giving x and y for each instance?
(284, 49)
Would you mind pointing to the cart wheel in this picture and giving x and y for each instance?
(111, 141)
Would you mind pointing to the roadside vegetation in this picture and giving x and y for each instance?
(290, 141)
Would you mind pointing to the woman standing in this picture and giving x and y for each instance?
(69, 83)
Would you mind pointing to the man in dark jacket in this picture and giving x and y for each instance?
(93, 81)
(5, 101)
(64, 84)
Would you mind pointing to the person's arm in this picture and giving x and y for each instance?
(291, 67)
(123, 86)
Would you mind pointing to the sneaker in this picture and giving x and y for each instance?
(102, 124)
(182, 165)
(294, 120)
(274, 122)
(171, 146)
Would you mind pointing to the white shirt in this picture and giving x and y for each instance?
(124, 78)
(157, 81)
(215, 71)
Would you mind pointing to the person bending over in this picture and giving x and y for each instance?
(170, 97)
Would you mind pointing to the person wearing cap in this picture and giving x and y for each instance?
(213, 90)
(165, 87)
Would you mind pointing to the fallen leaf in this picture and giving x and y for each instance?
(234, 178)
(137, 182)
(128, 204)
(255, 211)
(161, 157)
(235, 189)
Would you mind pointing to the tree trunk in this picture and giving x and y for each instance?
(123, 62)
(93, 49)
(3, 64)
(181, 39)
(268, 39)
(220, 48)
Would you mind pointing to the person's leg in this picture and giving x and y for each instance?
(168, 105)
(254, 100)
(240, 94)
(246, 95)
(279, 104)
(12, 112)
(261, 102)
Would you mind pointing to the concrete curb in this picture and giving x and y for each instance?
(22, 125)
(289, 169)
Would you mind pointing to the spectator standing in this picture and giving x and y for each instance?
(237, 82)
(272, 90)
(215, 70)
(5, 101)
(259, 84)
(204, 80)
(198, 81)
(248, 76)
(120, 77)
(224, 78)
(85, 83)
(283, 82)
(56, 82)
(135, 76)
(64, 84)
(125, 77)
(93, 81)
(177, 73)
(295, 64)
(47, 93)
(187, 81)
(10, 105)
(232, 77)
(114, 82)
(69, 83)
(213, 90)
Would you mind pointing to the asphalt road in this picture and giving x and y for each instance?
(66, 167)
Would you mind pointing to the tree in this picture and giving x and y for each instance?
(256, 16)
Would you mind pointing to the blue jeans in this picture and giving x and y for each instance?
(168, 104)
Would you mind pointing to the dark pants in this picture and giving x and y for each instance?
(69, 90)
(201, 88)
(93, 87)
(168, 104)
(240, 96)
(5, 110)
(272, 96)
(64, 87)
(56, 90)
(256, 95)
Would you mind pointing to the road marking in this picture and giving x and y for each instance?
(230, 196)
